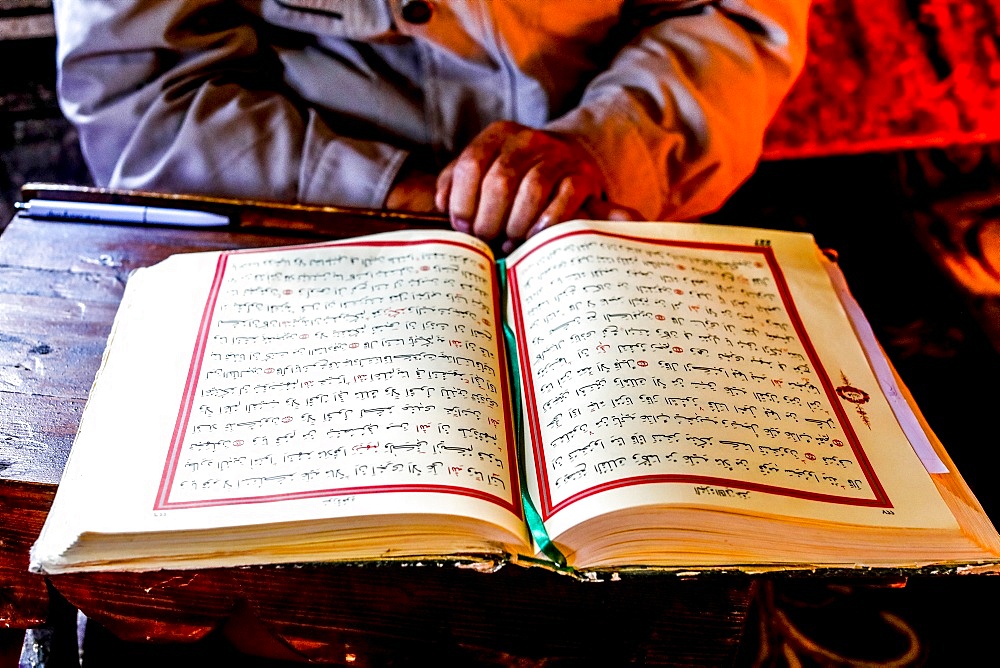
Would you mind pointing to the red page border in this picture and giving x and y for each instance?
(163, 501)
(880, 499)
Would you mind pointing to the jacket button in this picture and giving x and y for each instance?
(416, 11)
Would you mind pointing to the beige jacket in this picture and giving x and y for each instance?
(320, 101)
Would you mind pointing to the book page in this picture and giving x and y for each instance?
(706, 365)
(358, 377)
(908, 420)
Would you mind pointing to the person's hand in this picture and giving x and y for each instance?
(512, 181)
(413, 190)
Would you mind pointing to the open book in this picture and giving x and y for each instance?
(611, 395)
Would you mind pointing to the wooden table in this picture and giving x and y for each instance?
(60, 284)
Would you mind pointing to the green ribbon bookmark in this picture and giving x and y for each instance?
(534, 520)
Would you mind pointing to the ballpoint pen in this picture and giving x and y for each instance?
(44, 209)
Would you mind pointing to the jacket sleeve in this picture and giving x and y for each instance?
(677, 119)
(180, 96)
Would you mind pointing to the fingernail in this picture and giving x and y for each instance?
(461, 225)
(538, 227)
(508, 246)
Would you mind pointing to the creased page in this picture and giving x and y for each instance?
(704, 365)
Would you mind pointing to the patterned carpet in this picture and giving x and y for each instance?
(890, 75)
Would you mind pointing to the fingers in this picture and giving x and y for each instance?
(538, 192)
(459, 184)
(567, 201)
(566, 206)
(443, 190)
(497, 194)
(511, 181)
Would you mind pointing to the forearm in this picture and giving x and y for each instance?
(677, 121)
